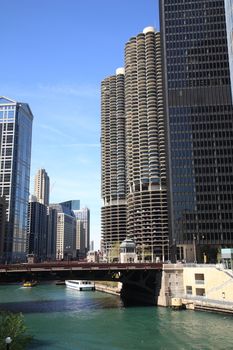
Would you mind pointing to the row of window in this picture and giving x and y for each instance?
(181, 5)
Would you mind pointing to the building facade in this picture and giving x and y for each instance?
(37, 229)
(147, 216)
(142, 161)
(92, 245)
(80, 240)
(2, 225)
(113, 169)
(66, 233)
(199, 123)
(229, 24)
(72, 204)
(15, 154)
(84, 216)
(51, 233)
(41, 187)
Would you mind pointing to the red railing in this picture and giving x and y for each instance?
(81, 265)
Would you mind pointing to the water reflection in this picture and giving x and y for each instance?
(63, 319)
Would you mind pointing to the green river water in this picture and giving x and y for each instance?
(59, 318)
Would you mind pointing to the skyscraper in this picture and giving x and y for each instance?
(2, 225)
(51, 233)
(41, 187)
(80, 240)
(72, 204)
(84, 215)
(15, 154)
(145, 145)
(138, 96)
(37, 229)
(66, 232)
(229, 24)
(200, 123)
(41, 230)
(113, 169)
(92, 245)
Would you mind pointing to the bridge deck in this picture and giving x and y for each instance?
(75, 266)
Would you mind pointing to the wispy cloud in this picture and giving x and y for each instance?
(44, 90)
(70, 90)
(52, 129)
(91, 145)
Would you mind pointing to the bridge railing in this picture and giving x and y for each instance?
(81, 265)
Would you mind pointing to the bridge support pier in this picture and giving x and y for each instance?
(140, 287)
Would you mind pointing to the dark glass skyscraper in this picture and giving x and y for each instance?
(37, 229)
(199, 122)
(73, 204)
(229, 25)
(15, 156)
(51, 233)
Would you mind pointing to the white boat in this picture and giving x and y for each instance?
(80, 285)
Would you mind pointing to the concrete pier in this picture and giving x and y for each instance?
(110, 289)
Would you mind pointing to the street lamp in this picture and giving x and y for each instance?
(8, 340)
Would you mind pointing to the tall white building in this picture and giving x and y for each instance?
(134, 184)
(66, 233)
(113, 160)
(147, 205)
(41, 187)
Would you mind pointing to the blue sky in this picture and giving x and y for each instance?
(54, 54)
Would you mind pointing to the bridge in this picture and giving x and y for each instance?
(140, 281)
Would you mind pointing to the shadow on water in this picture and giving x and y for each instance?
(47, 306)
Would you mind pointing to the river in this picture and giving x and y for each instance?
(59, 318)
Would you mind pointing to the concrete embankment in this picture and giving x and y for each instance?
(208, 305)
(197, 287)
(110, 289)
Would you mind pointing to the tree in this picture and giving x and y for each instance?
(144, 252)
(12, 325)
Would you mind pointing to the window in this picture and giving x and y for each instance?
(9, 139)
(189, 290)
(200, 292)
(199, 278)
(7, 164)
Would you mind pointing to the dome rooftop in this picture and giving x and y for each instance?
(128, 243)
(148, 30)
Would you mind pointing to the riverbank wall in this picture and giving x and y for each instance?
(197, 287)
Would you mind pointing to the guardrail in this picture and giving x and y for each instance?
(207, 300)
(77, 265)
